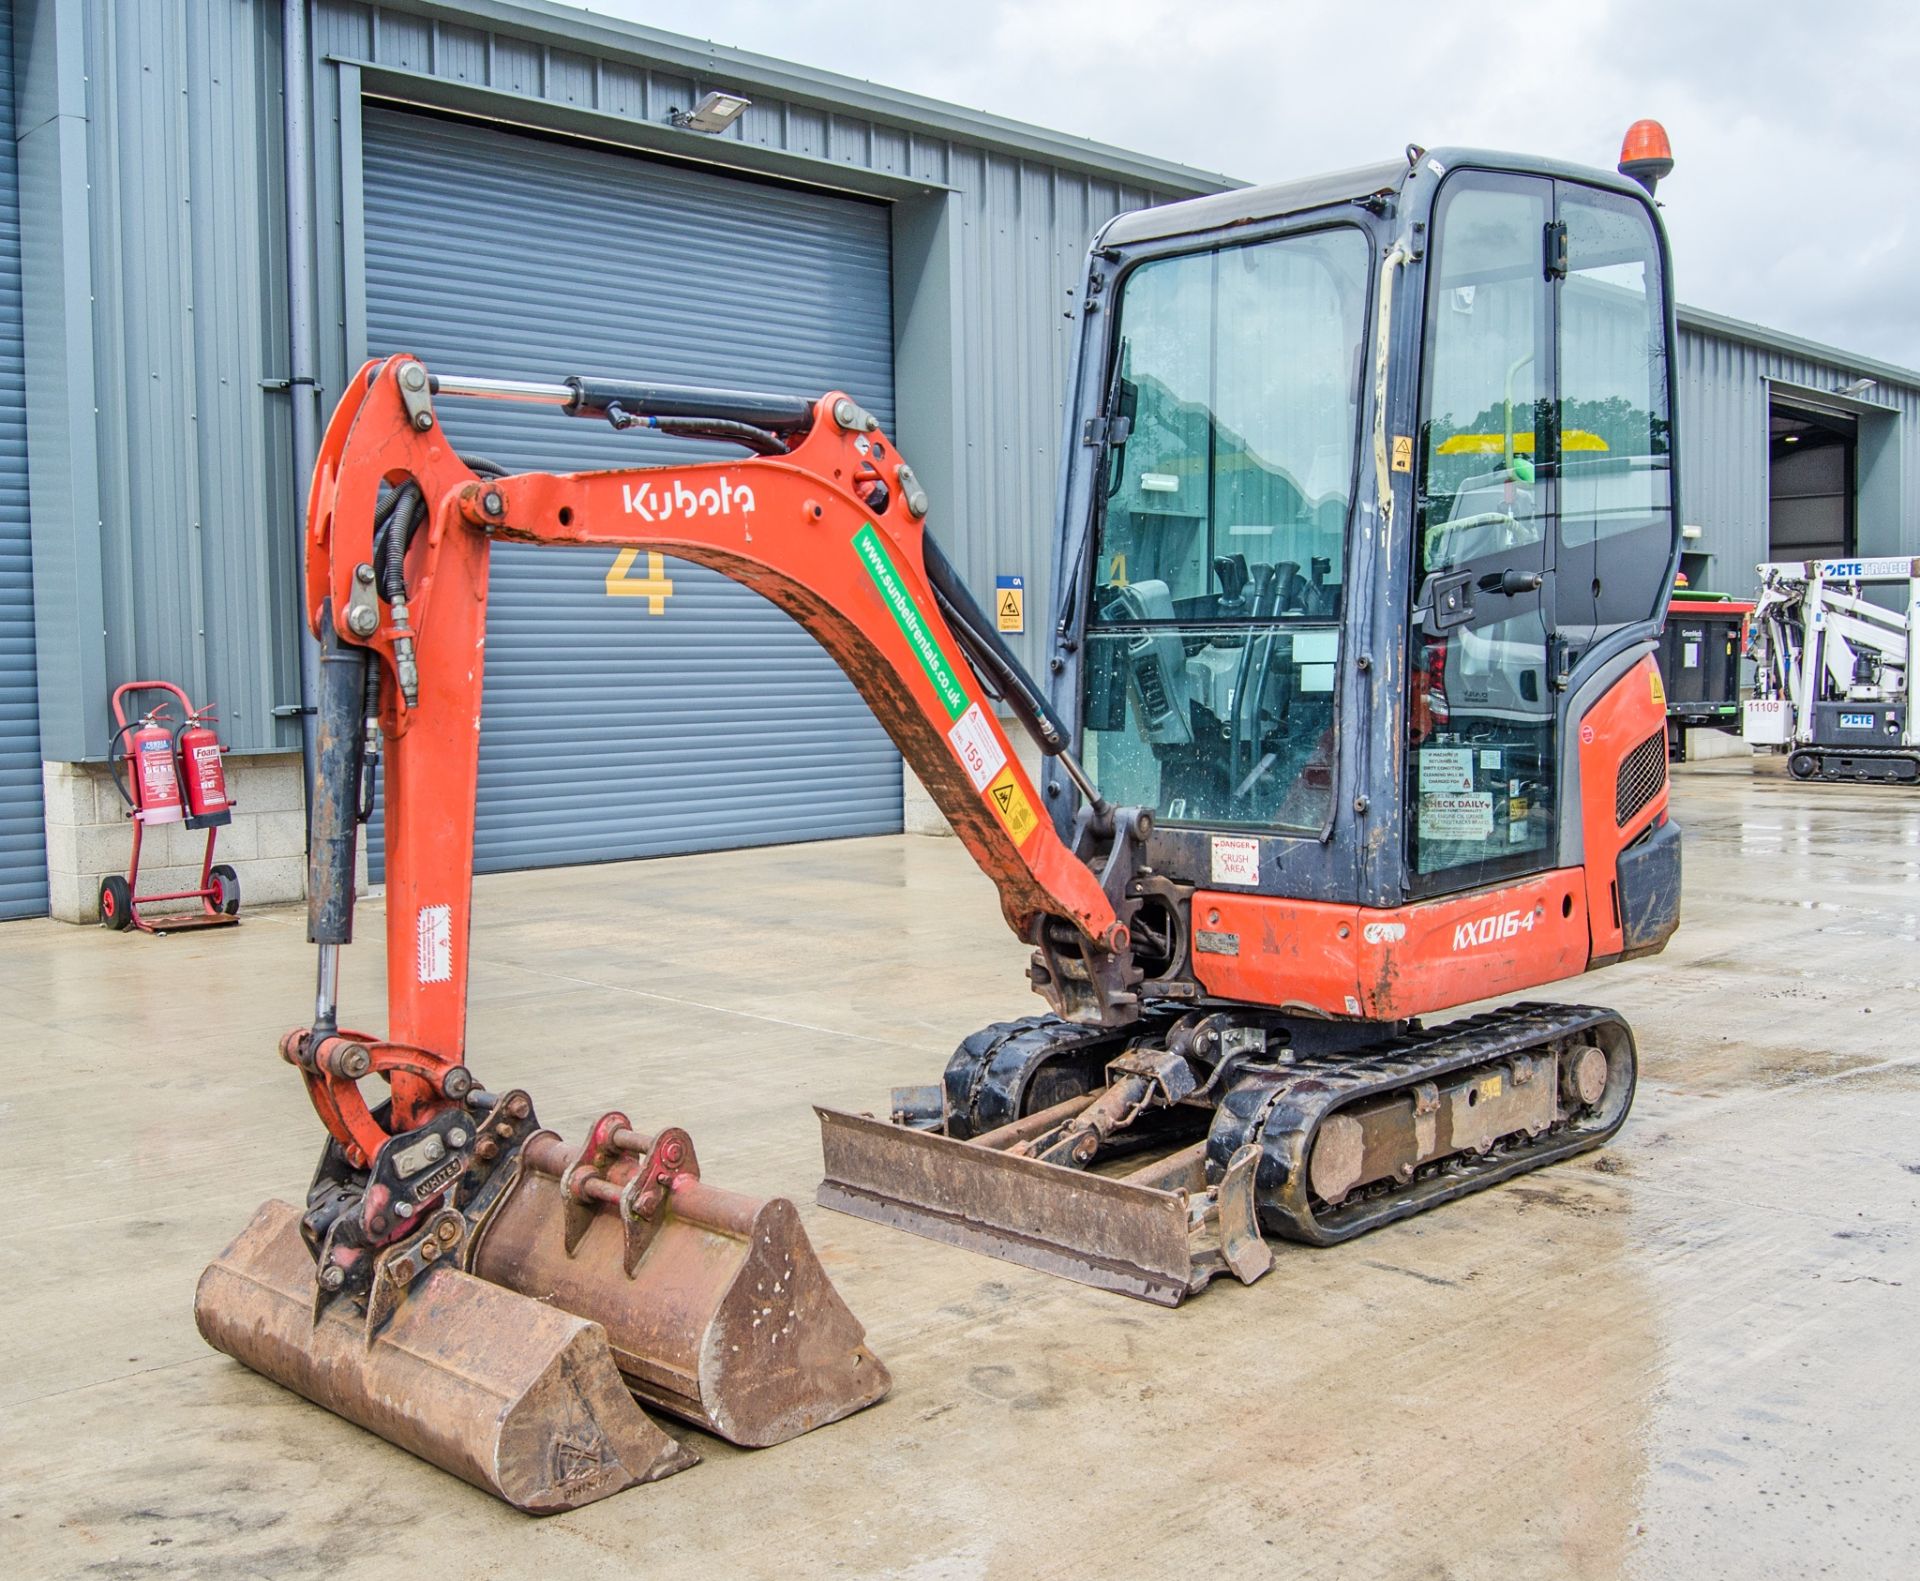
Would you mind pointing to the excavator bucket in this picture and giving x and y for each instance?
(715, 1304)
(520, 1399)
(506, 1336)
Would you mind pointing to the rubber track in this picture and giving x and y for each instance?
(1285, 1109)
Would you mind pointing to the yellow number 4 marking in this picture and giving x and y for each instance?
(656, 587)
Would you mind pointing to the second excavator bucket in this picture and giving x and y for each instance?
(715, 1304)
(520, 1399)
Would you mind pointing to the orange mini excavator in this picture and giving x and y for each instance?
(1368, 523)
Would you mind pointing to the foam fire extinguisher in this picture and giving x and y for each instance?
(196, 749)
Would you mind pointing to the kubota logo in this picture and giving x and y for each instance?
(1486, 930)
(664, 504)
(1385, 932)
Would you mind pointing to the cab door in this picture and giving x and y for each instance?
(1480, 718)
(1614, 456)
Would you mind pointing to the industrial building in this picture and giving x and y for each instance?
(504, 187)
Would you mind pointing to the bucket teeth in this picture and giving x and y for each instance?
(520, 1399)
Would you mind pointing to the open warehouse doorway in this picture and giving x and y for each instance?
(1812, 482)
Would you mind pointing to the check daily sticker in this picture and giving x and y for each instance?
(974, 743)
(1468, 817)
(970, 736)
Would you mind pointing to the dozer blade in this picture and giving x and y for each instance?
(1159, 1235)
(519, 1399)
(715, 1304)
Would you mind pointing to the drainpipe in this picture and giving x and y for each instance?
(296, 139)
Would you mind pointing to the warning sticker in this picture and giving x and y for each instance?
(1659, 691)
(1010, 802)
(1010, 603)
(433, 944)
(1446, 769)
(976, 747)
(1402, 452)
(1464, 817)
(1235, 860)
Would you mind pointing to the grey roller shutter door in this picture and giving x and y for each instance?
(23, 847)
(609, 730)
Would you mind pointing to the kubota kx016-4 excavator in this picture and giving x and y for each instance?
(1353, 717)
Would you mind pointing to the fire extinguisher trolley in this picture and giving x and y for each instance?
(173, 776)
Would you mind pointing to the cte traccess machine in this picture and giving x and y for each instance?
(1351, 717)
(1835, 672)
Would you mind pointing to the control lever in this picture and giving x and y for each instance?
(1231, 572)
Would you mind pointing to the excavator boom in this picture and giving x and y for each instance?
(430, 1209)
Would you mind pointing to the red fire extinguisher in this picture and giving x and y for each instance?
(197, 750)
(173, 774)
(156, 776)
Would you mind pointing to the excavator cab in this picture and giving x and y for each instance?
(1341, 575)
(1364, 543)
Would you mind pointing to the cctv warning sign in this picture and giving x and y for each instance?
(1010, 602)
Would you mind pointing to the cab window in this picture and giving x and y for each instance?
(1615, 443)
(1220, 548)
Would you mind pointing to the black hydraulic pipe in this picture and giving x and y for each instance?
(301, 342)
(334, 810)
(779, 414)
(990, 653)
(762, 441)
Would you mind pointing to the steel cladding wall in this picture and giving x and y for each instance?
(1727, 374)
(174, 518)
(190, 499)
(23, 854)
(615, 726)
(1020, 222)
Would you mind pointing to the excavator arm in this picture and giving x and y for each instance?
(828, 525)
(429, 1206)
(435, 1213)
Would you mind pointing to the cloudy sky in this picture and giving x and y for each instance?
(1791, 204)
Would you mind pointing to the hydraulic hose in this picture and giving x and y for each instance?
(399, 517)
(990, 653)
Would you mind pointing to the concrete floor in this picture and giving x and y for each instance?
(1690, 1355)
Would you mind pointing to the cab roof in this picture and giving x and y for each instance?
(1253, 205)
(1249, 205)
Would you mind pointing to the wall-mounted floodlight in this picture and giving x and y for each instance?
(714, 113)
(1857, 388)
